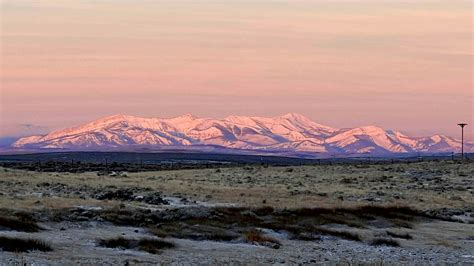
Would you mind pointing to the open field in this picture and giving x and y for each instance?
(386, 213)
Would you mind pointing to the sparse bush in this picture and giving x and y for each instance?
(18, 224)
(399, 235)
(118, 242)
(402, 223)
(153, 246)
(346, 180)
(384, 242)
(255, 237)
(267, 210)
(198, 232)
(22, 245)
(342, 234)
(307, 237)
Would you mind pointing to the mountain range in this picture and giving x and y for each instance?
(290, 133)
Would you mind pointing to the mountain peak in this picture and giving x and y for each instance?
(116, 117)
(187, 116)
(372, 128)
(293, 115)
(183, 118)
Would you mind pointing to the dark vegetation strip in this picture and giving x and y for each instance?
(229, 224)
(256, 237)
(399, 235)
(153, 246)
(17, 222)
(354, 216)
(22, 245)
(385, 242)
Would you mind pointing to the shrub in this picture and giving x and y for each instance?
(18, 224)
(153, 246)
(255, 237)
(384, 242)
(149, 245)
(118, 242)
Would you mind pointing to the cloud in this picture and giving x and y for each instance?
(20, 130)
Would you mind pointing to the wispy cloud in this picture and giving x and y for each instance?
(21, 130)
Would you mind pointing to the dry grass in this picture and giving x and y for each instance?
(199, 232)
(399, 235)
(153, 246)
(280, 188)
(257, 238)
(22, 245)
(17, 222)
(307, 202)
(118, 242)
(339, 233)
(385, 242)
(302, 224)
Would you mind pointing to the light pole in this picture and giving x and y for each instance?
(462, 125)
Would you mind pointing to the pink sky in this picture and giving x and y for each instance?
(396, 64)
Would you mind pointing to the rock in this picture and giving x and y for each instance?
(82, 219)
(457, 198)
(121, 194)
(155, 199)
(187, 213)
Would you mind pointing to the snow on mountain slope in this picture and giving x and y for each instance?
(441, 143)
(368, 138)
(291, 132)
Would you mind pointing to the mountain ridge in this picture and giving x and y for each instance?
(291, 132)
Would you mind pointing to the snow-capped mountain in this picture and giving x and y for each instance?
(291, 133)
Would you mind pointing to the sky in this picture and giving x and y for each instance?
(403, 65)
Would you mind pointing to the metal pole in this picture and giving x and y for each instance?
(462, 143)
(462, 125)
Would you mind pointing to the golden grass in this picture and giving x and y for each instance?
(305, 186)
